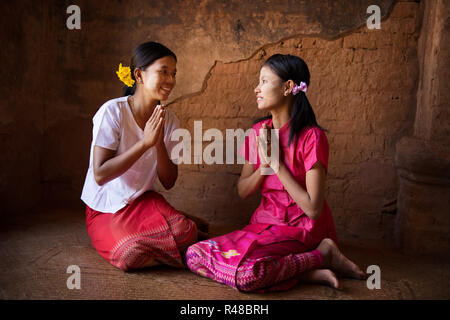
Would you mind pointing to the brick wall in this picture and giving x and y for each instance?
(362, 89)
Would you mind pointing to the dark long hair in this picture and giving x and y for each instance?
(289, 67)
(144, 55)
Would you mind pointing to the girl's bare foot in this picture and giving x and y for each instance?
(322, 276)
(335, 260)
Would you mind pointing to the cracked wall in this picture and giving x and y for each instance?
(362, 89)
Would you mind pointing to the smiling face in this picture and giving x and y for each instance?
(270, 91)
(159, 78)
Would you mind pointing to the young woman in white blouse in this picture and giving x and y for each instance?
(129, 224)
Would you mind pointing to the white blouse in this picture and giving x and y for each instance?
(114, 128)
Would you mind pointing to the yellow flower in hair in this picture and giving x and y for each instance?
(124, 74)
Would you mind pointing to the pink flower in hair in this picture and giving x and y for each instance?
(302, 87)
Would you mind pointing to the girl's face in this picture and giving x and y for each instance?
(270, 90)
(159, 78)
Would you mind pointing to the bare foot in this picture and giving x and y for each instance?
(322, 276)
(336, 261)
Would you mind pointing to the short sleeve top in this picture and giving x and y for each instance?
(115, 128)
(277, 206)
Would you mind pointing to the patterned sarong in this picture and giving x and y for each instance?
(147, 232)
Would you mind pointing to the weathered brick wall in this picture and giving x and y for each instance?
(423, 158)
(362, 89)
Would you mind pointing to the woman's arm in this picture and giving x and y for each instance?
(167, 170)
(108, 167)
(310, 200)
(249, 181)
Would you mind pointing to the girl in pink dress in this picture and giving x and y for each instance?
(130, 224)
(291, 235)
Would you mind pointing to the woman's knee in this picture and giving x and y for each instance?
(193, 256)
(185, 232)
(202, 225)
(134, 256)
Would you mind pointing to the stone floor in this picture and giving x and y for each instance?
(37, 248)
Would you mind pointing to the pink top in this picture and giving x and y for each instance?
(277, 206)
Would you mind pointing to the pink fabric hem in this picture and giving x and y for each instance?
(318, 254)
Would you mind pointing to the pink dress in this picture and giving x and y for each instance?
(279, 242)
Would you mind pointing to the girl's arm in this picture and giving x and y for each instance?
(167, 170)
(107, 167)
(310, 200)
(250, 180)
